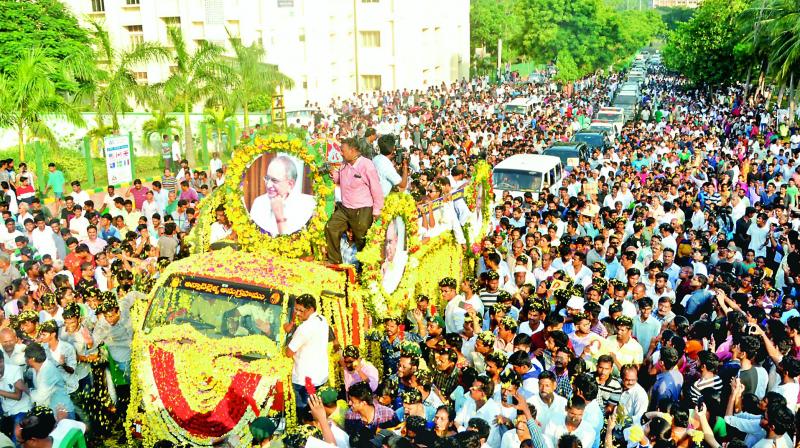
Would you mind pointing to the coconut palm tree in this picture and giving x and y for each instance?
(118, 80)
(159, 105)
(196, 76)
(28, 94)
(217, 118)
(252, 76)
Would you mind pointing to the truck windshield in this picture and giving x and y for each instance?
(625, 99)
(609, 116)
(515, 109)
(217, 309)
(592, 140)
(516, 180)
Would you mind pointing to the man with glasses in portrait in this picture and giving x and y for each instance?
(283, 209)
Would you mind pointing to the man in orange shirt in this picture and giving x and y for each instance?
(78, 254)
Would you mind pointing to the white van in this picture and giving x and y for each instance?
(522, 105)
(521, 173)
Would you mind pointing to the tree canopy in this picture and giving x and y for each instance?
(593, 33)
(47, 25)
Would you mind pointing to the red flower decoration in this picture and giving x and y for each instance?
(216, 423)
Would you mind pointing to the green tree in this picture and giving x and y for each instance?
(160, 123)
(703, 48)
(29, 94)
(251, 76)
(673, 16)
(217, 118)
(117, 78)
(566, 68)
(49, 26)
(491, 20)
(196, 77)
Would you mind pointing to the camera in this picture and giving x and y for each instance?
(399, 156)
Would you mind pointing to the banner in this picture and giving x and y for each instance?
(118, 159)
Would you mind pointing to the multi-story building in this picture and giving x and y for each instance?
(329, 48)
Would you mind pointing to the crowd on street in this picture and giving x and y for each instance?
(651, 302)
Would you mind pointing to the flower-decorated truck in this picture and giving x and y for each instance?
(207, 356)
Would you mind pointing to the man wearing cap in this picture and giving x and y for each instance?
(521, 275)
(356, 368)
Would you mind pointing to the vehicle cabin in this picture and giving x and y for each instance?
(522, 106)
(594, 139)
(570, 153)
(521, 173)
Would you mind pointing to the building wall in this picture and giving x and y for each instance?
(329, 48)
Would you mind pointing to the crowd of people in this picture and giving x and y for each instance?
(650, 302)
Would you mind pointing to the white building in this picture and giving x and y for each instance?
(329, 48)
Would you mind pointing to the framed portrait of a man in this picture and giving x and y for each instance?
(395, 255)
(278, 194)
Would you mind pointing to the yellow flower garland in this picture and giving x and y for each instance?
(481, 177)
(304, 243)
(380, 302)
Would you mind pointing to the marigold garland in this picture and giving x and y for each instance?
(380, 302)
(482, 177)
(300, 244)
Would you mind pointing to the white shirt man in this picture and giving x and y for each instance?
(43, 240)
(309, 348)
(10, 381)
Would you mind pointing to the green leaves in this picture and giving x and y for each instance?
(592, 33)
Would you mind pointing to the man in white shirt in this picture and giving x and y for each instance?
(13, 392)
(573, 423)
(43, 239)
(387, 173)
(78, 196)
(550, 407)
(308, 347)
(150, 207)
(634, 399)
(78, 225)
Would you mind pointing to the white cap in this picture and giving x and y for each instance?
(520, 269)
(575, 302)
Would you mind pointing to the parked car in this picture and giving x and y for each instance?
(594, 139)
(570, 153)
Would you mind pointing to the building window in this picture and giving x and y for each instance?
(370, 39)
(370, 1)
(171, 21)
(131, 2)
(302, 38)
(98, 5)
(141, 77)
(136, 34)
(371, 82)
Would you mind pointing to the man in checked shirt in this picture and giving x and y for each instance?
(362, 199)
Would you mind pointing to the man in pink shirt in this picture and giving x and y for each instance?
(357, 369)
(362, 199)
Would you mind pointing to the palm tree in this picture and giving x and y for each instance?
(118, 79)
(159, 105)
(251, 76)
(217, 118)
(196, 76)
(28, 94)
